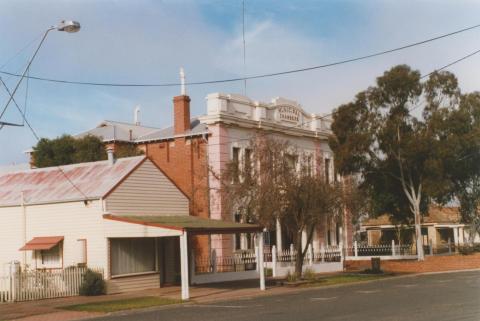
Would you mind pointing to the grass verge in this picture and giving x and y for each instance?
(120, 305)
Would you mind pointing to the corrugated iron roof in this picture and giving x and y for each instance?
(110, 131)
(42, 243)
(436, 215)
(188, 223)
(49, 185)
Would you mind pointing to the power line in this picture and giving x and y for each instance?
(38, 139)
(340, 62)
(411, 109)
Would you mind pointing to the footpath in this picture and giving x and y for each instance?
(51, 309)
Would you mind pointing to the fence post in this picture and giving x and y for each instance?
(274, 261)
(393, 248)
(257, 257)
(355, 248)
(13, 270)
(430, 247)
(322, 252)
(292, 256)
(449, 246)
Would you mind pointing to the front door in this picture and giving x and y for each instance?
(170, 260)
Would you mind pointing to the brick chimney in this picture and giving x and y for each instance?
(181, 114)
(181, 108)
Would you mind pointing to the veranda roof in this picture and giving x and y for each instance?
(42, 243)
(191, 224)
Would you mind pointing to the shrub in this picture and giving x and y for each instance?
(309, 275)
(93, 284)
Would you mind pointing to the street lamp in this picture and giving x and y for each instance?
(69, 26)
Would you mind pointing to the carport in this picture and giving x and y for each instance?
(185, 227)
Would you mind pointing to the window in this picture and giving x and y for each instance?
(247, 162)
(236, 163)
(82, 249)
(309, 167)
(327, 170)
(52, 258)
(129, 256)
(291, 161)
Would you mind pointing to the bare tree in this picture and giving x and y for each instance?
(275, 181)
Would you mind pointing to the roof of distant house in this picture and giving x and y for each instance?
(49, 185)
(436, 214)
(111, 131)
(14, 168)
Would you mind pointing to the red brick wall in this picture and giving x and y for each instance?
(184, 161)
(431, 264)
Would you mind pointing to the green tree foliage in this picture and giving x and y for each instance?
(404, 160)
(66, 150)
(462, 139)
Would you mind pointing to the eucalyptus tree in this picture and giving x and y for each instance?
(401, 158)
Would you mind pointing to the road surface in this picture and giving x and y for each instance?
(435, 297)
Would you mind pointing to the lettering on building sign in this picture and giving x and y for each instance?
(289, 113)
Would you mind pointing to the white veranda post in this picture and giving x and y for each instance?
(184, 265)
(260, 261)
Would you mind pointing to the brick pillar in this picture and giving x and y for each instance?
(181, 114)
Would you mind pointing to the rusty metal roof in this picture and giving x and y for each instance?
(49, 185)
(42, 243)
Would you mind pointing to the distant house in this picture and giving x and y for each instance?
(123, 216)
(441, 226)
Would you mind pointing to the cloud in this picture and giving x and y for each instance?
(147, 41)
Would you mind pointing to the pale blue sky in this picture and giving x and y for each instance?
(147, 41)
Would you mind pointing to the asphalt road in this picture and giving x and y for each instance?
(447, 296)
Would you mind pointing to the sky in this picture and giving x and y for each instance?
(147, 41)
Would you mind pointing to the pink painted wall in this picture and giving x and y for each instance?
(218, 157)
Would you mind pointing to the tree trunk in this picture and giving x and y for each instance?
(299, 256)
(418, 233)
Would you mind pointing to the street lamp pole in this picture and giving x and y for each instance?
(64, 25)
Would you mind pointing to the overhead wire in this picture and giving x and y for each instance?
(274, 74)
(333, 112)
(37, 137)
(237, 79)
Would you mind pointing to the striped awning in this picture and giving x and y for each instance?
(42, 243)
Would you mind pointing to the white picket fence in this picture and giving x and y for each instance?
(385, 251)
(41, 284)
(324, 254)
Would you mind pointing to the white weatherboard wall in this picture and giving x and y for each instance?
(147, 191)
(72, 220)
(10, 236)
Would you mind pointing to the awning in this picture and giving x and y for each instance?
(191, 224)
(42, 243)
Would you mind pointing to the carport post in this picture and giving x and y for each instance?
(184, 265)
(260, 261)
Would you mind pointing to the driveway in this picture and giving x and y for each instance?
(446, 296)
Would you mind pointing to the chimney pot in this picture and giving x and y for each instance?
(111, 155)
